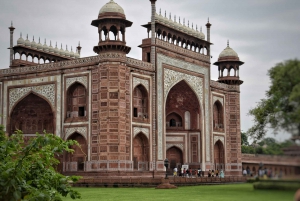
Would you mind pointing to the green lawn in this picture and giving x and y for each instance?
(229, 192)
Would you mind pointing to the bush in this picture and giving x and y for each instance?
(278, 185)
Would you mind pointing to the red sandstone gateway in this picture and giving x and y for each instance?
(127, 114)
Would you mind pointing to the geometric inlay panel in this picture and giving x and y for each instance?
(215, 98)
(175, 145)
(82, 80)
(173, 77)
(137, 81)
(70, 131)
(221, 138)
(137, 130)
(47, 91)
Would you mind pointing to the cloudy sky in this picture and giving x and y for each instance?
(262, 32)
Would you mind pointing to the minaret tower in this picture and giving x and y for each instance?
(229, 66)
(11, 52)
(111, 25)
(111, 84)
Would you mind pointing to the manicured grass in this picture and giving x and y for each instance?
(229, 192)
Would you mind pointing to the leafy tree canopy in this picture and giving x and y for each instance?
(244, 137)
(27, 170)
(281, 107)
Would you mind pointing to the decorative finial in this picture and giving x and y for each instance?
(61, 46)
(79, 43)
(170, 16)
(188, 23)
(50, 43)
(165, 14)
(71, 49)
(33, 38)
(227, 43)
(27, 37)
(196, 27)
(66, 47)
(179, 20)
(11, 23)
(174, 18)
(192, 26)
(45, 41)
(160, 11)
(183, 21)
(20, 34)
(55, 44)
(208, 20)
(39, 40)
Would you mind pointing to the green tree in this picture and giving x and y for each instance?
(281, 107)
(244, 138)
(27, 170)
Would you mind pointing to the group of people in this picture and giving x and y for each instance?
(185, 172)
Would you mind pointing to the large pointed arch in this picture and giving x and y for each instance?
(47, 92)
(32, 114)
(175, 156)
(219, 155)
(80, 152)
(141, 151)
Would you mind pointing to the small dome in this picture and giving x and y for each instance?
(61, 51)
(51, 49)
(72, 53)
(76, 54)
(39, 45)
(20, 41)
(45, 47)
(56, 50)
(33, 44)
(27, 42)
(111, 7)
(228, 52)
(67, 53)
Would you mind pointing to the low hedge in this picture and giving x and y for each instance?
(278, 185)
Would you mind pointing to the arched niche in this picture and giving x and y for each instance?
(175, 157)
(182, 99)
(218, 120)
(76, 101)
(80, 152)
(141, 150)
(173, 121)
(32, 114)
(219, 155)
(140, 102)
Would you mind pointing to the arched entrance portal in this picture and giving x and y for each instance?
(32, 114)
(175, 157)
(80, 152)
(219, 155)
(140, 152)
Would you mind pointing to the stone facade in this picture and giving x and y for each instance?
(129, 115)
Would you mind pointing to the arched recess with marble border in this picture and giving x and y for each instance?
(218, 116)
(81, 103)
(29, 116)
(80, 154)
(140, 102)
(219, 152)
(82, 80)
(196, 110)
(174, 153)
(141, 151)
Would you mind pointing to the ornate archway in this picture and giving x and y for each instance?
(140, 151)
(219, 155)
(175, 157)
(80, 152)
(218, 120)
(32, 114)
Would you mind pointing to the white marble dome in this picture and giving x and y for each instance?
(20, 41)
(228, 52)
(111, 7)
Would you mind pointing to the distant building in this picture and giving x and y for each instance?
(129, 115)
